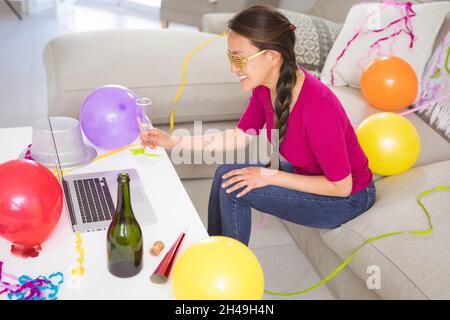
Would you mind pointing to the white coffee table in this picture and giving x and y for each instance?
(173, 209)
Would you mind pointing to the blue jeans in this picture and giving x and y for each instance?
(231, 216)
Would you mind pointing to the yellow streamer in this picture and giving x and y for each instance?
(115, 151)
(373, 239)
(102, 156)
(79, 271)
(184, 71)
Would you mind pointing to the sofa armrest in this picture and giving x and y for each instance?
(225, 10)
(239, 5)
(216, 22)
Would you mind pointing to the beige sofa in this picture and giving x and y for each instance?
(411, 267)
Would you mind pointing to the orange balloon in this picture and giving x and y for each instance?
(389, 83)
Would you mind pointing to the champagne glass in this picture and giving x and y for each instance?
(145, 124)
(144, 121)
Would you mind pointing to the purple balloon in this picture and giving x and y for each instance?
(108, 117)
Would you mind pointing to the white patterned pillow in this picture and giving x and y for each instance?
(435, 90)
(314, 39)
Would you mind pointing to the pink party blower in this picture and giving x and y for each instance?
(162, 272)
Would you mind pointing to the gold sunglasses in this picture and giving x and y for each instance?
(240, 62)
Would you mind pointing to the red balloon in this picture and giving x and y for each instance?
(31, 202)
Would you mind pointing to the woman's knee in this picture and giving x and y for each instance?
(229, 196)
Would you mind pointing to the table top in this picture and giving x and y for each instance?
(173, 208)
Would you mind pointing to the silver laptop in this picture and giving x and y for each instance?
(91, 197)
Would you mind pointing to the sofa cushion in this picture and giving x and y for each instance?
(148, 62)
(412, 266)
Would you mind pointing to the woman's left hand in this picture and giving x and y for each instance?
(249, 177)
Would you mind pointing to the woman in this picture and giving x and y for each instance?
(325, 181)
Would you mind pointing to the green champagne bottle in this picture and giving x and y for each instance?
(124, 240)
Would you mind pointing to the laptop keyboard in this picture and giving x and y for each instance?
(94, 200)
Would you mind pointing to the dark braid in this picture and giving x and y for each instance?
(285, 85)
(286, 82)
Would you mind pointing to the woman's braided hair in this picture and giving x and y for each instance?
(267, 28)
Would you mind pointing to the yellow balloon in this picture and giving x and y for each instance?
(217, 268)
(390, 142)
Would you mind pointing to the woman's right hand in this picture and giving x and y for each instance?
(158, 138)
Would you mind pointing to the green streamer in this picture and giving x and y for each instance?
(436, 74)
(446, 60)
(139, 151)
(373, 239)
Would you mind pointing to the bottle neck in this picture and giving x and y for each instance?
(123, 200)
